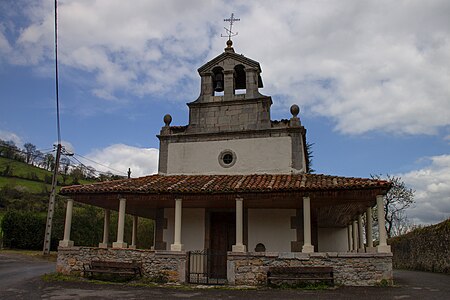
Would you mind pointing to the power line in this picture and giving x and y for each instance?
(105, 166)
(79, 163)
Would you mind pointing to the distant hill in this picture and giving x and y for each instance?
(30, 178)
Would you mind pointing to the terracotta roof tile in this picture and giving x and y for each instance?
(154, 184)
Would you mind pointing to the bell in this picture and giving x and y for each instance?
(218, 87)
(218, 78)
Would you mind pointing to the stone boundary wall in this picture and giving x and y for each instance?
(424, 249)
(353, 269)
(155, 264)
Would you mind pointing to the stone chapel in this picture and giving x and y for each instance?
(233, 196)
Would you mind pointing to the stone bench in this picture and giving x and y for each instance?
(278, 275)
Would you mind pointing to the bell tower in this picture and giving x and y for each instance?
(230, 130)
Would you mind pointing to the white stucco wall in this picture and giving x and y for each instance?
(192, 228)
(256, 155)
(272, 227)
(332, 239)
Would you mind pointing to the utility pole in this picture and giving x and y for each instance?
(51, 204)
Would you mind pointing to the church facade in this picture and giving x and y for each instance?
(233, 196)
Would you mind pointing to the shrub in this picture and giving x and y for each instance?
(23, 230)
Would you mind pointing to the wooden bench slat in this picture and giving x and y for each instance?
(300, 279)
(112, 267)
(112, 272)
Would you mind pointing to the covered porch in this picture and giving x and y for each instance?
(260, 220)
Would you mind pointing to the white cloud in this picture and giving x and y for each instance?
(120, 157)
(10, 136)
(432, 185)
(368, 65)
(5, 47)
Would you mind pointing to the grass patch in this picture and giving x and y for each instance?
(24, 170)
(34, 187)
(57, 277)
(384, 283)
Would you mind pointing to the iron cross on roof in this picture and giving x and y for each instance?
(230, 33)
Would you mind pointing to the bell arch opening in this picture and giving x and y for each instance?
(240, 80)
(218, 81)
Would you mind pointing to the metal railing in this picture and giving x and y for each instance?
(207, 267)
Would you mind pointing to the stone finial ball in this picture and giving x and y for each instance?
(295, 110)
(167, 119)
(229, 43)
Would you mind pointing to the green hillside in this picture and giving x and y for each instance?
(28, 177)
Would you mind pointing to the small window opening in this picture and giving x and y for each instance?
(227, 159)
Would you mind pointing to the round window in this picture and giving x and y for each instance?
(227, 158)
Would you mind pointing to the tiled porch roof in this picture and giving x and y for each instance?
(204, 184)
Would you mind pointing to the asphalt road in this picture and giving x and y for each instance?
(16, 269)
(20, 279)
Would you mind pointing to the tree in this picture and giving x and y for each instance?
(49, 161)
(309, 157)
(38, 158)
(8, 149)
(90, 172)
(77, 174)
(30, 150)
(396, 201)
(64, 168)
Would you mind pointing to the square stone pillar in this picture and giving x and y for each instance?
(121, 225)
(66, 242)
(383, 247)
(177, 245)
(251, 83)
(107, 216)
(228, 82)
(307, 246)
(239, 246)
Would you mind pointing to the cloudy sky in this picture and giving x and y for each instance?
(372, 79)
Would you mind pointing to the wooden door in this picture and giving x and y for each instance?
(222, 237)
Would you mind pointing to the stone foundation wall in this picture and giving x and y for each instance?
(354, 269)
(155, 264)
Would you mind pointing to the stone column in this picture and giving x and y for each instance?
(207, 88)
(228, 82)
(355, 236)
(239, 246)
(107, 217)
(134, 233)
(177, 245)
(383, 247)
(121, 225)
(360, 234)
(369, 231)
(251, 83)
(350, 238)
(66, 242)
(307, 246)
